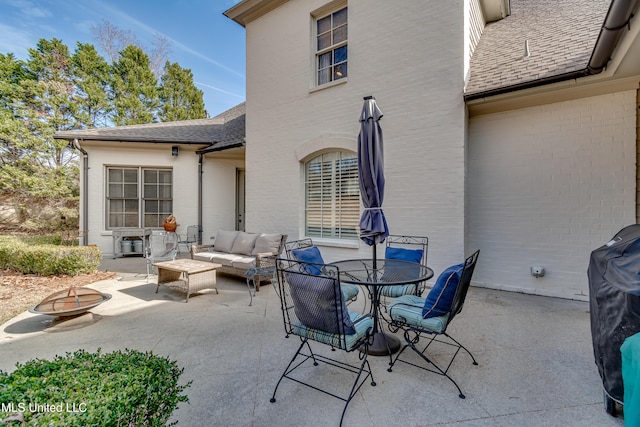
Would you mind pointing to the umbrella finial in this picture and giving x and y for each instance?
(368, 97)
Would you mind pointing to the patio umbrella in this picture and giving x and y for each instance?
(373, 225)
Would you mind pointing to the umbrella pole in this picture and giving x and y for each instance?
(375, 257)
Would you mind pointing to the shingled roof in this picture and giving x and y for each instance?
(226, 130)
(561, 36)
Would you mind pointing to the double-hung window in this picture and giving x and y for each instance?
(332, 196)
(331, 47)
(138, 197)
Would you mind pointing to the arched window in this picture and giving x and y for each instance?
(332, 196)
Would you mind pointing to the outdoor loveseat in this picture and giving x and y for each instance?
(239, 252)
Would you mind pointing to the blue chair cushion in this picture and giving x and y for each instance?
(316, 303)
(412, 255)
(397, 273)
(440, 297)
(361, 323)
(397, 290)
(312, 255)
(408, 309)
(349, 291)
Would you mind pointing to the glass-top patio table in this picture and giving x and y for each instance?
(377, 273)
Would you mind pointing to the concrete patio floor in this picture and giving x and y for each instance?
(536, 365)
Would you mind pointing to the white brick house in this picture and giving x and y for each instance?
(504, 132)
(530, 157)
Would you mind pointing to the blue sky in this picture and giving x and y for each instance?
(202, 38)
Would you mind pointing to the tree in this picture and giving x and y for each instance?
(133, 85)
(50, 62)
(113, 40)
(180, 99)
(33, 169)
(90, 75)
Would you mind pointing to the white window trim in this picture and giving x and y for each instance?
(317, 14)
(334, 224)
(140, 183)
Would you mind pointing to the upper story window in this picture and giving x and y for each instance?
(130, 204)
(332, 193)
(331, 46)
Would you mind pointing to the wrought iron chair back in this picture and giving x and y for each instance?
(463, 287)
(350, 292)
(289, 247)
(313, 309)
(412, 243)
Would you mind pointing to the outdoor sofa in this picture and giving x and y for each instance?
(238, 251)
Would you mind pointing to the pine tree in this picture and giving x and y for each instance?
(91, 80)
(133, 85)
(180, 99)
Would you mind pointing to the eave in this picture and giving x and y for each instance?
(250, 10)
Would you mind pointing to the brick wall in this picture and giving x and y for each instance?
(410, 57)
(547, 185)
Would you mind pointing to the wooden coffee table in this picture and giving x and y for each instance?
(188, 274)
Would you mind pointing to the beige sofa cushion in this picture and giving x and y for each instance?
(224, 241)
(267, 243)
(244, 262)
(217, 257)
(244, 243)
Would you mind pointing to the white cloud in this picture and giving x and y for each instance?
(219, 90)
(15, 40)
(29, 8)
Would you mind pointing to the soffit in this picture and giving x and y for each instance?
(250, 10)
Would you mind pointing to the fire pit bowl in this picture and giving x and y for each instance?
(70, 302)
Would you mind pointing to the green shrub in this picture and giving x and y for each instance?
(127, 388)
(47, 259)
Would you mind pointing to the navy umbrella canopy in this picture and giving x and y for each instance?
(373, 225)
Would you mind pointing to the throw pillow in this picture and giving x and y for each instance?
(412, 255)
(224, 241)
(267, 243)
(396, 273)
(440, 298)
(316, 303)
(311, 255)
(244, 243)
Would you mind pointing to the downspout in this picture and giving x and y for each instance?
(85, 191)
(200, 172)
(617, 20)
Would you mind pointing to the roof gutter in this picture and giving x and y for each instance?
(617, 20)
(213, 148)
(84, 227)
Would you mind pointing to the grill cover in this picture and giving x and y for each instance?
(614, 296)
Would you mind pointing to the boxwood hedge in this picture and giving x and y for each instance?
(47, 259)
(123, 388)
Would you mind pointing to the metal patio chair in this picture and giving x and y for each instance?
(162, 247)
(429, 317)
(190, 238)
(407, 248)
(310, 253)
(313, 309)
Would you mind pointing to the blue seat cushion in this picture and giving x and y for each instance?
(440, 297)
(361, 323)
(318, 304)
(408, 309)
(397, 290)
(311, 255)
(349, 291)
